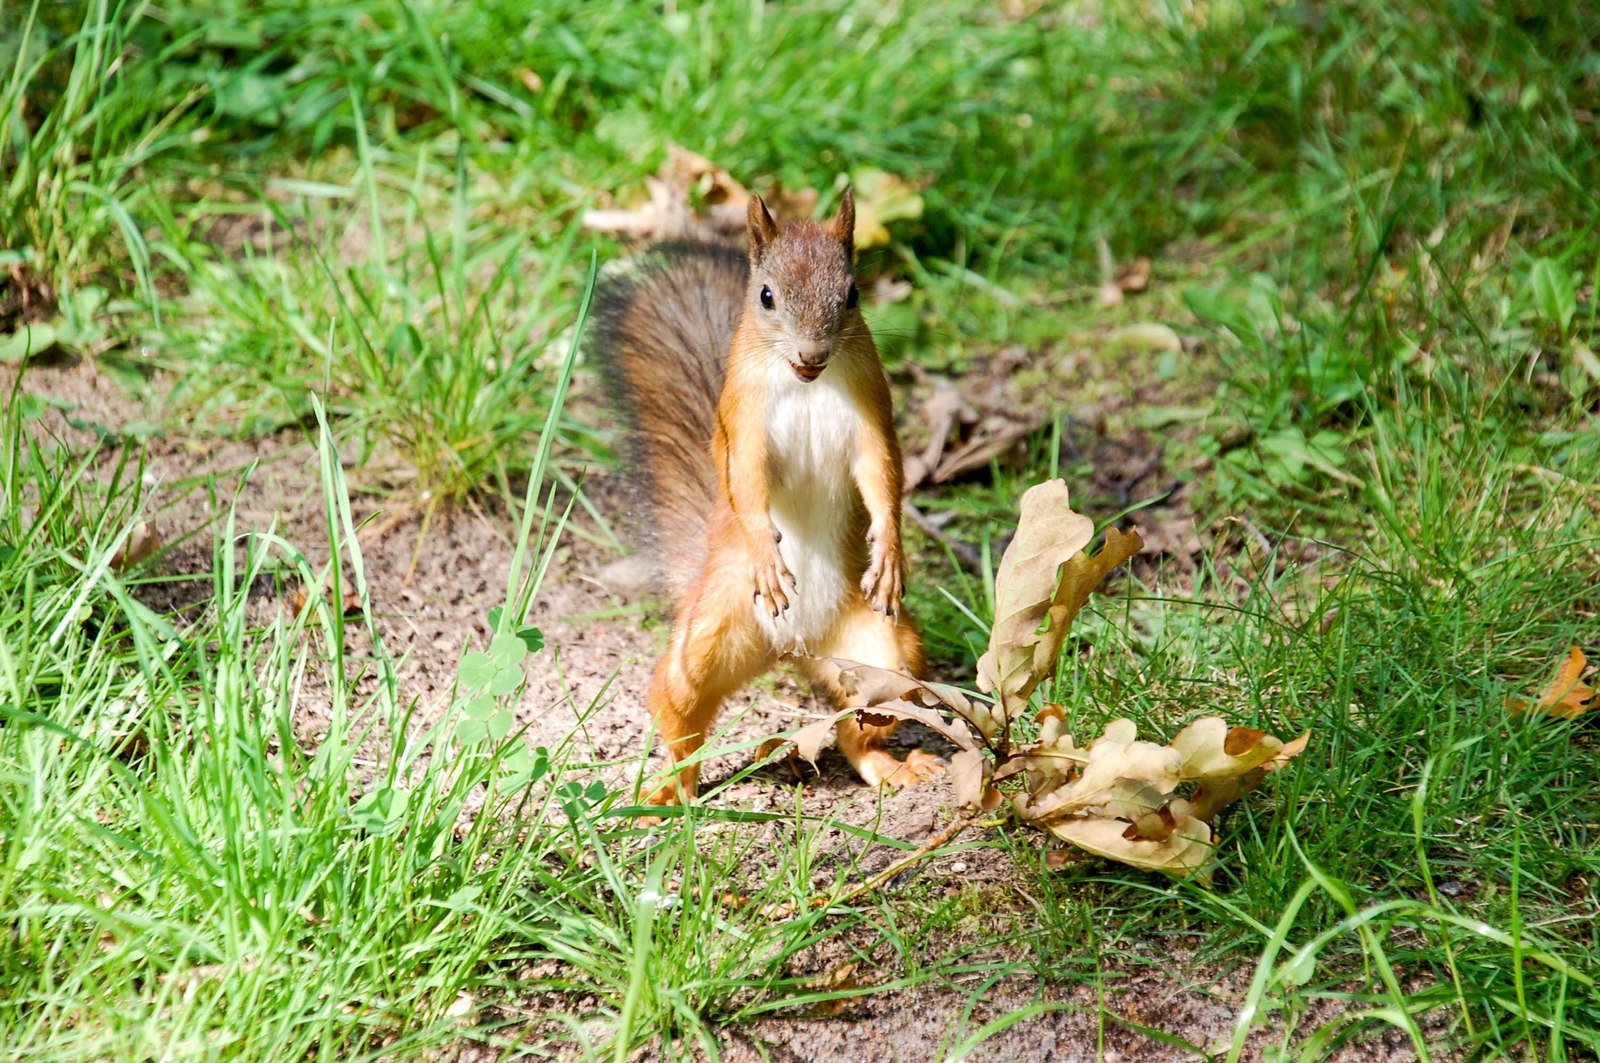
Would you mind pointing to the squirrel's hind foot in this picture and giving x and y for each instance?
(879, 767)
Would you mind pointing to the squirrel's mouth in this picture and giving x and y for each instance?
(808, 373)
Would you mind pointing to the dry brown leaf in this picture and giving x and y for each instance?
(809, 740)
(994, 439)
(904, 696)
(1056, 859)
(1134, 276)
(351, 602)
(685, 179)
(1120, 775)
(692, 196)
(944, 409)
(1115, 283)
(665, 215)
(791, 759)
(1049, 533)
(1182, 852)
(1216, 794)
(840, 979)
(1290, 750)
(141, 544)
(970, 773)
(1212, 750)
(1116, 797)
(1154, 826)
(1028, 594)
(707, 183)
(935, 719)
(1566, 696)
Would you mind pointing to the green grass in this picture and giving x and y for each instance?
(1374, 224)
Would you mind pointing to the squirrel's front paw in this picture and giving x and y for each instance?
(885, 578)
(768, 573)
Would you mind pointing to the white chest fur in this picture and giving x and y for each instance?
(812, 433)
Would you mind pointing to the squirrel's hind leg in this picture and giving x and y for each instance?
(864, 635)
(716, 648)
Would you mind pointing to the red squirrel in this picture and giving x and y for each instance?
(761, 420)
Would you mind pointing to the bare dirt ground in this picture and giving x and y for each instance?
(429, 601)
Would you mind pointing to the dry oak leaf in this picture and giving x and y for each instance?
(973, 776)
(885, 693)
(994, 438)
(1290, 750)
(843, 979)
(945, 408)
(1044, 580)
(1566, 696)
(1120, 775)
(1182, 852)
(810, 739)
(888, 692)
(1134, 276)
(692, 196)
(683, 179)
(1115, 799)
(704, 179)
(350, 604)
(1213, 750)
(141, 544)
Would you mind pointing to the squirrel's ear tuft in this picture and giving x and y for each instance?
(763, 230)
(844, 223)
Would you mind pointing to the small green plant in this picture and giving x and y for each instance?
(1294, 387)
(1555, 296)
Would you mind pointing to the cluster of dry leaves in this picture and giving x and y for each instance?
(971, 422)
(1143, 803)
(691, 196)
(1139, 802)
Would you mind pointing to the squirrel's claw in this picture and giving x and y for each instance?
(769, 574)
(884, 581)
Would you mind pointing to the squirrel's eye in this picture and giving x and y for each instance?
(854, 298)
(766, 297)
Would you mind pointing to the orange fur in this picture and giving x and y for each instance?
(799, 551)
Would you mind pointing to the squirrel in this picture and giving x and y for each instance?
(761, 424)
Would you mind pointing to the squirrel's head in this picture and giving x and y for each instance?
(803, 292)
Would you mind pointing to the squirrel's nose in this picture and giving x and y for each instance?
(812, 352)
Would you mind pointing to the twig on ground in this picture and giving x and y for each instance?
(938, 841)
(943, 838)
(965, 553)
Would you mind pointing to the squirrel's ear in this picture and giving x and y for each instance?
(844, 223)
(763, 230)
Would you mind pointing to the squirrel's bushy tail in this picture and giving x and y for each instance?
(661, 333)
